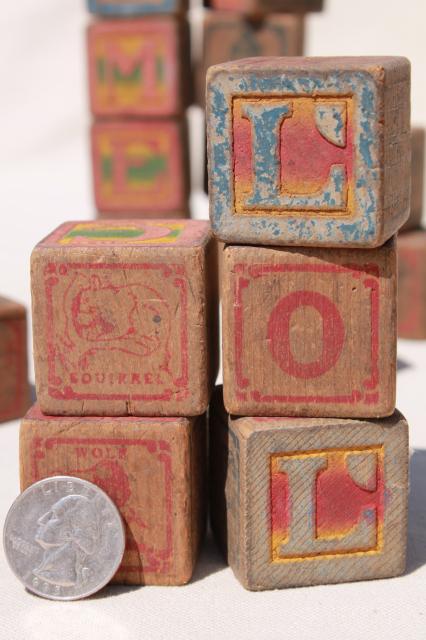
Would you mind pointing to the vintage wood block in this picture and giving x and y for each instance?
(14, 388)
(309, 501)
(309, 332)
(132, 8)
(124, 318)
(417, 179)
(153, 470)
(257, 7)
(140, 166)
(139, 67)
(309, 151)
(412, 285)
(231, 36)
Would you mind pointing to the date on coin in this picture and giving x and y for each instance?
(64, 538)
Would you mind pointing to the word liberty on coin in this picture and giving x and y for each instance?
(64, 538)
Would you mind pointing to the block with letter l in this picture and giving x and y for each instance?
(309, 501)
(309, 151)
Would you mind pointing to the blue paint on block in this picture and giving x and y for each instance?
(132, 9)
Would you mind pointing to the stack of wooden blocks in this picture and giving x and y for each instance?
(412, 252)
(139, 70)
(309, 181)
(124, 319)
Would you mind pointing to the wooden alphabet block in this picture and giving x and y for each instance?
(309, 151)
(412, 285)
(14, 388)
(124, 318)
(417, 179)
(309, 501)
(309, 332)
(153, 470)
(266, 6)
(231, 36)
(140, 166)
(132, 8)
(139, 67)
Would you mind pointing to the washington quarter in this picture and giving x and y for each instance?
(64, 538)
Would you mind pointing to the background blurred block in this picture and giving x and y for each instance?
(153, 470)
(417, 179)
(139, 67)
(124, 318)
(309, 332)
(14, 388)
(266, 6)
(129, 8)
(309, 151)
(310, 501)
(230, 36)
(412, 285)
(140, 166)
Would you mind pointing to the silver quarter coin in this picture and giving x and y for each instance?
(64, 538)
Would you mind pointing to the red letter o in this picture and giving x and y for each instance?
(279, 334)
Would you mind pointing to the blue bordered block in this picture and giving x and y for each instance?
(128, 8)
(309, 151)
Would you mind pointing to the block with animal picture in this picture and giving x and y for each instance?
(307, 501)
(412, 285)
(133, 8)
(231, 36)
(140, 167)
(153, 470)
(417, 179)
(259, 7)
(139, 68)
(309, 151)
(14, 387)
(124, 318)
(309, 331)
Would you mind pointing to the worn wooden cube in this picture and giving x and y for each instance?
(417, 179)
(412, 285)
(124, 318)
(14, 387)
(231, 36)
(140, 166)
(132, 8)
(309, 151)
(139, 67)
(256, 7)
(309, 332)
(152, 469)
(305, 501)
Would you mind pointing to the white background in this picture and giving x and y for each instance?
(44, 180)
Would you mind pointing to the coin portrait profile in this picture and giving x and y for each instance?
(69, 533)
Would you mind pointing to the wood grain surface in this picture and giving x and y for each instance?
(14, 387)
(125, 318)
(309, 332)
(304, 501)
(152, 469)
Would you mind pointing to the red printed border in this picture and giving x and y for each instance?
(255, 271)
(167, 271)
(163, 455)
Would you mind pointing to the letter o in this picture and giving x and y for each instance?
(279, 334)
